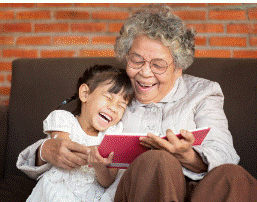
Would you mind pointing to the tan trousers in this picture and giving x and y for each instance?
(157, 176)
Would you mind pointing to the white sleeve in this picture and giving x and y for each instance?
(58, 120)
(217, 148)
(26, 161)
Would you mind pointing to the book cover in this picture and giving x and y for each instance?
(127, 147)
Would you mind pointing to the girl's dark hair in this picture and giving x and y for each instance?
(99, 74)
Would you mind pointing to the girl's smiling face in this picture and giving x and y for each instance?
(150, 87)
(101, 108)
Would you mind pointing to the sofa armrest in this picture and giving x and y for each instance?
(3, 138)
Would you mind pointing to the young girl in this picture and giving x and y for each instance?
(104, 93)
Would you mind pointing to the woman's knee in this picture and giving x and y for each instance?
(231, 171)
(158, 156)
(158, 160)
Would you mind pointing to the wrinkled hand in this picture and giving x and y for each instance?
(181, 148)
(64, 153)
(96, 160)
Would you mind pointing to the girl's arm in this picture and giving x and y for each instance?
(105, 176)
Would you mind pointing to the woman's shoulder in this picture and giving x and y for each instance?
(198, 84)
(194, 79)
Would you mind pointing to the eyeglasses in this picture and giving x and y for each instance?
(158, 66)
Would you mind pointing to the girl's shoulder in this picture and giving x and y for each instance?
(61, 115)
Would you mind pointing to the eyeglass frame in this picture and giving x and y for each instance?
(144, 60)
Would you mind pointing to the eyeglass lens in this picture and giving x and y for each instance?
(136, 61)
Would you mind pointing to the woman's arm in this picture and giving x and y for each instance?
(62, 152)
(54, 134)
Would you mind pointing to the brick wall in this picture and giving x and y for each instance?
(86, 29)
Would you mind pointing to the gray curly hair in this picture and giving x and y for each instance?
(158, 22)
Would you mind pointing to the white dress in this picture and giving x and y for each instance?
(75, 185)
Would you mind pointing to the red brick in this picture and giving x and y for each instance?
(15, 5)
(92, 4)
(88, 27)
(187, 4)
(253, 41)
(9, 78)
(254, 29)
(54, 27)
(33, 15)
(5, 66)
(108, 40)
(53, 4)
(15, 27)
(5, 90)
(213, 53)
(223, 4)
(207, 28)
(57, 53)
(2, 77)
(110, 15)
(227, 15)
(6, 15)
(72, 15)
(228, 41)
(22, 53)
(115, 27)
(239, 28)
(70, 40)
(191, 15)
(200, 41)
(245, 54)
(6, 40)
(38, 40)
(127, 5)
(252, 14)
(96, 53)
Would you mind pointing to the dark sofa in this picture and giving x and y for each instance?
(40, 85)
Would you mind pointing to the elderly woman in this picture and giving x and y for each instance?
(157, 48)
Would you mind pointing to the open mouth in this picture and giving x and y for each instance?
(105, 117)
(146, 86)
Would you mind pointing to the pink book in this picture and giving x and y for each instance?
(127, 147)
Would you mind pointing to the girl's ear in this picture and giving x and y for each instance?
(83, 92)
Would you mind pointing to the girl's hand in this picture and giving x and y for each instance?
(96, 160)
(105, 176)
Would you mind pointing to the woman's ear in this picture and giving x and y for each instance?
(178, 72)
(83, 92)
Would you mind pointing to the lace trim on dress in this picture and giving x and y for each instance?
(78, 181)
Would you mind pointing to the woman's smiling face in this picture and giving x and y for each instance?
(150, 87)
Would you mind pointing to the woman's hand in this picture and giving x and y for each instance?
(63, 153)
(180, 148)
(174, 145)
